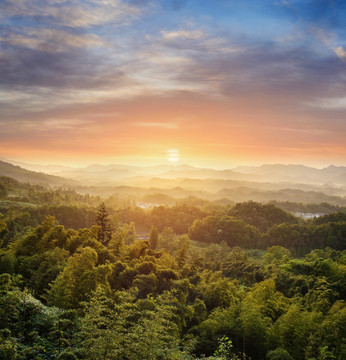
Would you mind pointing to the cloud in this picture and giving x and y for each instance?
(269, 67)
(49, 40)
(330, 40)
(45, 126)
(183, 34)
(62, 124)
(162, 59)
(164, 125)
(71, 13)
(54, 44)
(332, 103)
(72, 68)
(341, 53)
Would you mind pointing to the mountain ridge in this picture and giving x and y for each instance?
(33, 177)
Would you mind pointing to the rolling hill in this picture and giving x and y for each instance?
(33, 177)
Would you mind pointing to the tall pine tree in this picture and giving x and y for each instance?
(105, 232)
(154, 237)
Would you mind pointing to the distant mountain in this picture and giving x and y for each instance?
(32, 177)
(291, 195)
(330, 181)
(215, 185)
(196, 173)
(108, 174)
(106, 177)
(47, 169)
(239, 194)
(296, 173)
(289, 174)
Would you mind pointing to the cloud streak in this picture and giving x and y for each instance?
(71, 13)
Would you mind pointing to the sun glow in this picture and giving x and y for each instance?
(173, 155)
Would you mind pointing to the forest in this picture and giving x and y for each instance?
(85, 277)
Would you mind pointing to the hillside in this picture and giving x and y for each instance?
(33, 177)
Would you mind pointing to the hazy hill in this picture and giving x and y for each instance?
(331, 176)
(32, 177)
(264, 183)
(297, 173)
(196, 173)
(108, 174)
(47, 169)
(214, 185)
(291, 195)
(236, 194)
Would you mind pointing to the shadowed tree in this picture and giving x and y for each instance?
(154, 237)
(105, 232)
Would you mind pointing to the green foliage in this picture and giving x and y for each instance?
(40, 270)
(146, 284)
(7, 262)
(225, 228)
(255, 327)
(179, 217)
(218, 291)
(181, 254)
(67, 293)
(78, 279)
(143, 330)
(3, 232)
(330, 218)
(294, 207)
(279, 354)
(276, 255)
(71, 216)
(28, 328)
(263, 217)
(167, 239)
(302, 238)
(8, 346)
(224, 351)
(294, 328)
(329, 339)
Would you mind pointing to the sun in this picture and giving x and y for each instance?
(173, 155)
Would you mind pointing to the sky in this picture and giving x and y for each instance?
(211, 83)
